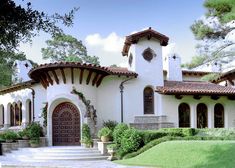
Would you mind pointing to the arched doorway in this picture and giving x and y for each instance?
(184, 115)
(202, 115)
(66, 125)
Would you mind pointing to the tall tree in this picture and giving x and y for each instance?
(7, 59)
(67, 48)
(21, 24)
(215, 33)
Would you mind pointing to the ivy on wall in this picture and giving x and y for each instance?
(81, 96)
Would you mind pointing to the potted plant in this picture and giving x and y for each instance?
(10, 136)
(105, 134)
(34, 143)
(34, 131)
(111, 150)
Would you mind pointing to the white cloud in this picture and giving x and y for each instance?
(111, 43)
(108, 48)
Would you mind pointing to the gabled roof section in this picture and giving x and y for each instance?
(149, 33)
(194, 88)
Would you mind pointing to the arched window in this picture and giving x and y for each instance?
(184, 115)
(12, 115)
(148, 101)
(219, 116)
(202, 116)
(17, 115)
(29, 110)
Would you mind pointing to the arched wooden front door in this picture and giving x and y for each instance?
(66, 125)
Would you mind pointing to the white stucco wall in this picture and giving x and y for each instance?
(170, 108)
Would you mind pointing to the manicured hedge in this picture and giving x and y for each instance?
(182, 131)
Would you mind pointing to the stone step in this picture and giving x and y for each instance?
(150, 119)
(55, 153)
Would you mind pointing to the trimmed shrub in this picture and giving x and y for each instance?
(148, 136)
(150, 145)
(10, 135)
(130, 141)
(180, 131)
(218, 132)
(110, 124)
(86, 135)
(118, 133)
(34, 131)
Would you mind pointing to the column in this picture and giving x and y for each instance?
(25, 119)
(210, 118)
(193, 116)
(7, 117)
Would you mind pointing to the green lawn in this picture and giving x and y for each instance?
(187, 154)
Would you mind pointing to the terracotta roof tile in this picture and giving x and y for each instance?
(149, 33)
(191, 88)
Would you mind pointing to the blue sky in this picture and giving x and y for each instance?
(103, 24)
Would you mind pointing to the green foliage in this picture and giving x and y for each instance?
(210, 77)
(67, 48)
(20, 23)
(112, 146)
(10, 135)
(216, 132)
(34, 131)
(105, 131)
(23, 133)
(200, 30)
(196, 61)
(223, 9)
(110, 124)
(118, 133)
(186, 154)
(149, 145)
(34, 141)
(131, 140)
(179, 131)
(86, 134)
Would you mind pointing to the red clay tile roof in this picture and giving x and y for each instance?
(33, 73)
(149, 33)
(191, 88)
(229, 75)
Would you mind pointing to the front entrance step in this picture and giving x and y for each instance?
(150, 119)
(46, 154)
(152, 126)
(151, 122)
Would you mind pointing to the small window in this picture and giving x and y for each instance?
(148, 54)
(148, 101)
(130, 59)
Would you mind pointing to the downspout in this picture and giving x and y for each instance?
(121, 87)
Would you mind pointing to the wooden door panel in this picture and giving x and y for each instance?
(66, 125)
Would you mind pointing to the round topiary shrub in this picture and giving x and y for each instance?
(118, 132)
(131, 140)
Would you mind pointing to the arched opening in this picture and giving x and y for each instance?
(219, 116)
(148, 100)
(202, 115)
(184, 115)
(66, 125)
(1, 116)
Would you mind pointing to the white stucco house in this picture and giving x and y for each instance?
(143, 95)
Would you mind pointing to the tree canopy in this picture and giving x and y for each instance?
(214, 32)
(67, 48)
(21, 24)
